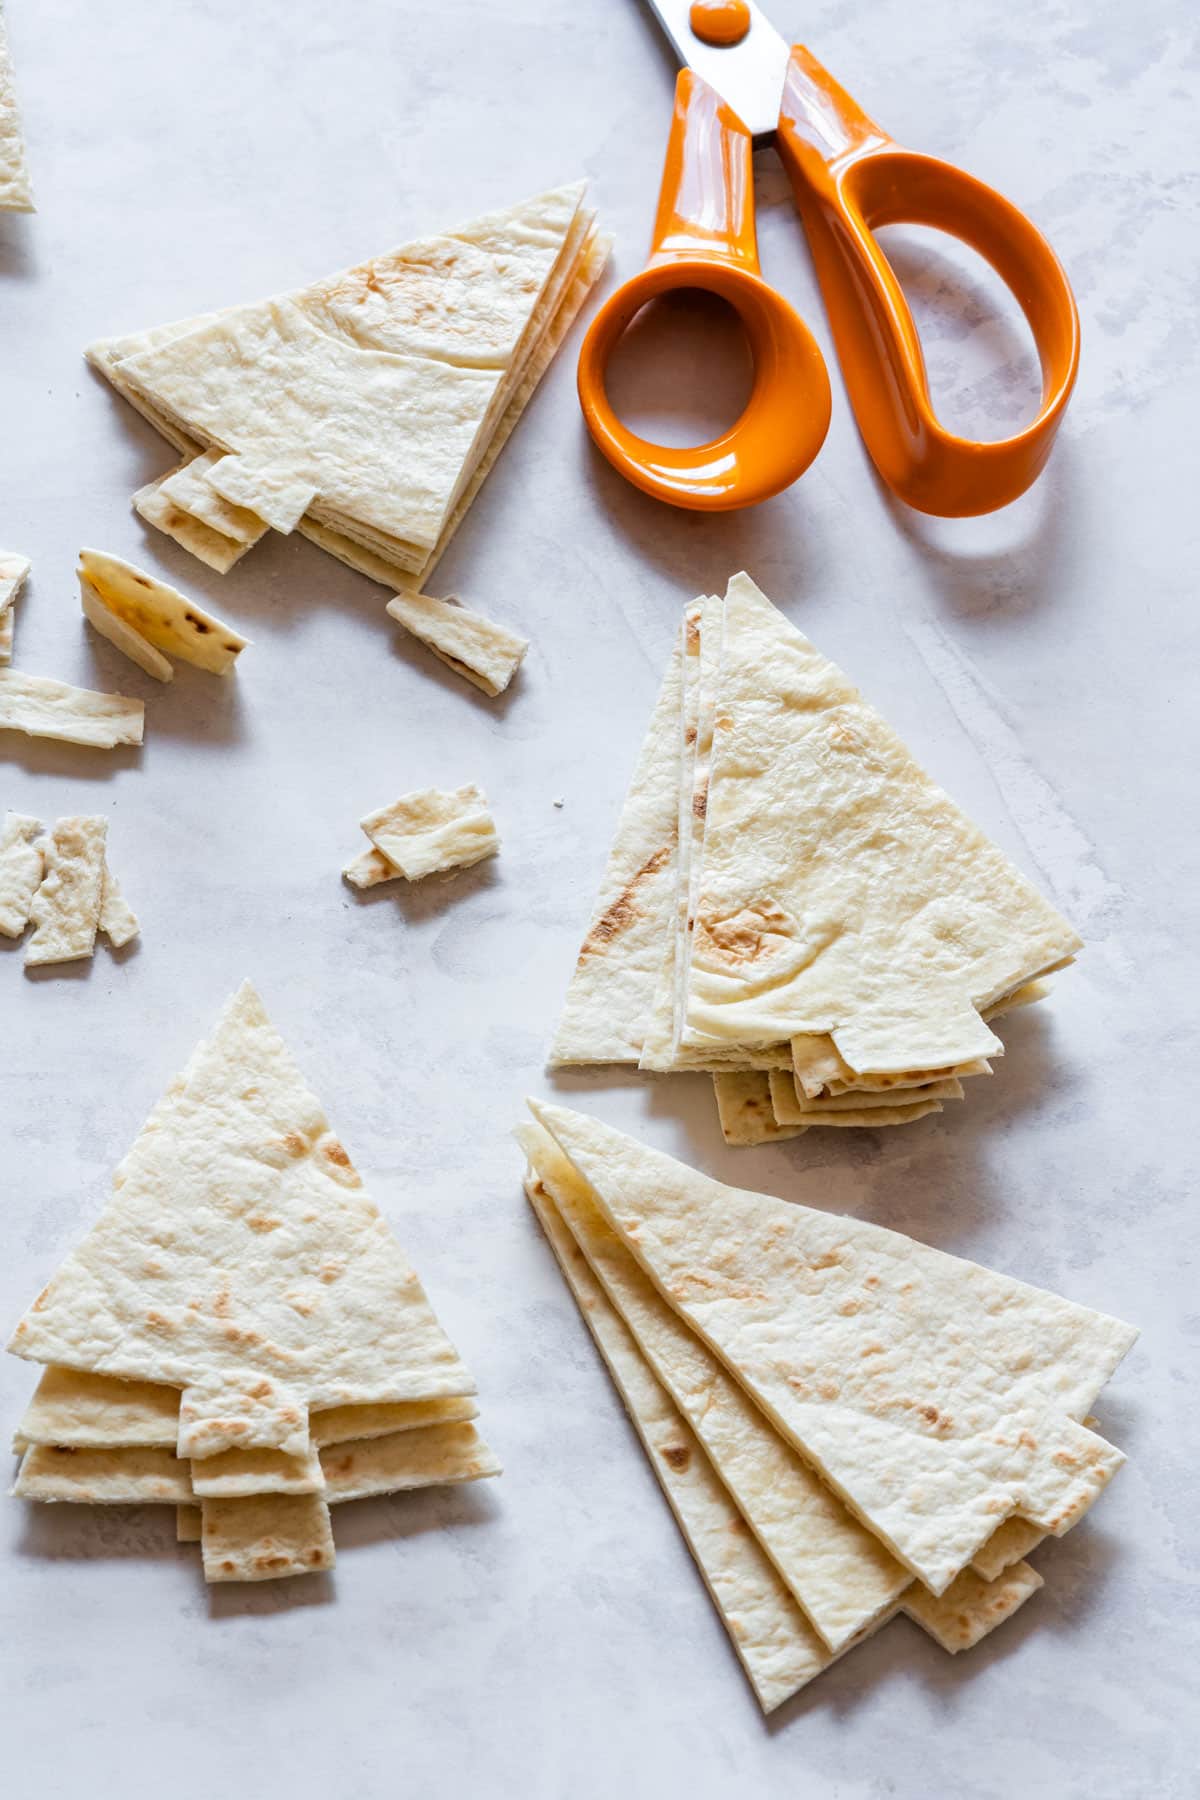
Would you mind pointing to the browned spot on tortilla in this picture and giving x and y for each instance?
(200, 624)
(677, 1456)
(700, 802)
(316, 1557)
(260, 1223)
(693, 634)
(341, 1466)
(849, 1307)
(271, 1562)
(748, 934)
(228, 1566)
(623, 911)
(142, 581)
(722, 722)
(294, 1144)
(871, 1281)
(332, 1269)
(261, 1391)
(337, 1154)
(689, 736)
(221, 1304)
(40, 1302)
(156, 1321)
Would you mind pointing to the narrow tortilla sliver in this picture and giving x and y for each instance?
(65, 910)
(210, 547)
(432, 831)
(232, 1474)
(123, 637)
(13, 570)
(78, 1409)
(792, 1106)
(118, 921)
(265, 1537)
(345, 1424)
(22, 863)
(160, 613)
(485, 653)
(41, 707)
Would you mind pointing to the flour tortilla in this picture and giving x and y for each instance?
(841, 890)
(65, 910)
(612, 989)
(123, 637)
(296, 1295)
(22, 863)
(265, 1537)
(13, 571)
(118, 921)
(161, 614)
(429, 832)
(234, 1474)
(748, 1115)
(968, 1412)
(416, 344)
(343, 1424)
(840, 1574)
(774, 1641)
(41, 707)
(820, 1069)
(792, 1106)
(15, 192)
(208, 546)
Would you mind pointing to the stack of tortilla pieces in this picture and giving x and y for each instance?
(847, 1424)
(792, 904)
(367, 409)
(239, 1334)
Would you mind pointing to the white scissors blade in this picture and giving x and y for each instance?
(748, 76)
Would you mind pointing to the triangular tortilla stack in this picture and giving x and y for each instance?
(240, 1328)
(433, 351)
(847, 1422)
(792, 904)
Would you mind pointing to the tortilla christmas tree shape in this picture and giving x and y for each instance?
(367, 408)
(237, 1165)
(772, 1636)
(818, 905)
(934, 1397)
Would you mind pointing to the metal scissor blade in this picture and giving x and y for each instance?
(748, 76)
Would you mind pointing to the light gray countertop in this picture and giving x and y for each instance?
(549, 1636)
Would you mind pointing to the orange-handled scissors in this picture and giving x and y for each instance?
(848, 178)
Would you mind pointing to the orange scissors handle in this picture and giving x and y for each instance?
(848, 177)
(704, 238)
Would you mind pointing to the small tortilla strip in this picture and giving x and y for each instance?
(792, 1106)
(65, 910)
(76, 1409)
(160, 614)
(233, 1474)
(747, 1112)
(118, 921)
(369, 869)
(13, 571)
(22, 864)
(210, 547)
(189, 489)
(429, 832)
(124, 1477)
(265, 1537)
(41, 707)
(346, 1424)
(123, 637)
(485, 653)
(430, 1456)
(16, 194)
(968, 1413)
(816, 810)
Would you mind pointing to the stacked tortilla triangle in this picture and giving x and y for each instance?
(240, 1332)
(793, 904)
(847, 1424)
(362, 408)
(366, 409)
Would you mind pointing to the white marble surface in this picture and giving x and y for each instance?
(549, 1636)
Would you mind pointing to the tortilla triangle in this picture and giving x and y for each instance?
(841, 890)
(239, 1260)
(425, 348)
(935, 1397)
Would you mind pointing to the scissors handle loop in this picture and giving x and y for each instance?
(704, 238)
(849, 178)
